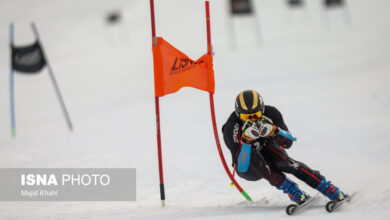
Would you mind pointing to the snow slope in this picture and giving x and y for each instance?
(328, 76)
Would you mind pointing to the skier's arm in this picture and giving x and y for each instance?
(231, 132)
(277, 119)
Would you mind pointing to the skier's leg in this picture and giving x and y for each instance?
(280, 159)
(260, 168)
(313, 178)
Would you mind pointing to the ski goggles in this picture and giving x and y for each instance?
(253, 117)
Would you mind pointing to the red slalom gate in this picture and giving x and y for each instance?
(212, 109)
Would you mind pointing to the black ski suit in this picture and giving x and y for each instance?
(269, 159)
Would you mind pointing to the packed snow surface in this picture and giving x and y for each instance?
(327, 72)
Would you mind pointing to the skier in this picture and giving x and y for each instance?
(259, 126)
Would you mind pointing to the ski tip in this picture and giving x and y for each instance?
(290, 210)
(330, 206)
(334, 204)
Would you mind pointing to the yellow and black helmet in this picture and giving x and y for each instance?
(249, 102)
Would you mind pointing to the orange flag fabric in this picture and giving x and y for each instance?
(174, 70)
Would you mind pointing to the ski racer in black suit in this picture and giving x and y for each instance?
(260, 126)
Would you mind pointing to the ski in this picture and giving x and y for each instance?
(293, 209)
(334, 204)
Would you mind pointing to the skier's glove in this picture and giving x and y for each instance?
(267, 129)
(250, 132)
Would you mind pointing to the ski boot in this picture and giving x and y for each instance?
(331, 191)
(336, 196)
(300, 198)
(294, 193)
